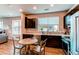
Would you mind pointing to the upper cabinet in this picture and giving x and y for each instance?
(30, 23)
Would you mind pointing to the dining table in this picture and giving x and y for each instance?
(28, 42)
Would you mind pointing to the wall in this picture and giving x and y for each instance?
(60, 14)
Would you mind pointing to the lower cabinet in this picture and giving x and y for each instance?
(57, 42)
(52, 41)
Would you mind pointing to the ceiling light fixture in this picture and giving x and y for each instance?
(51, 5)
(34, 7)
(21, 10)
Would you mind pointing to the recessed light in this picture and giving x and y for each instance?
(51, 5)
(21, 10)
(34, 7)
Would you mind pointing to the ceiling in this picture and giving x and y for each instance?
(12, 10)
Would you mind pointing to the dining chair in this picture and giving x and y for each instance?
(35, 39)
(39, 49)
(16, 46)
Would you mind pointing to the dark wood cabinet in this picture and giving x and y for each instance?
(27, 36)
(52, 41)
(30, 23)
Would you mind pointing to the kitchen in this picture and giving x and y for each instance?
(56, 28)
(59, 37)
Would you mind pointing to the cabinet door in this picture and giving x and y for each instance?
(52, 41)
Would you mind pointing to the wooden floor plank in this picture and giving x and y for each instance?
(7, 49)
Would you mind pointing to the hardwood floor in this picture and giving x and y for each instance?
(7, 49)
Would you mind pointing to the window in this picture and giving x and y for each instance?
(1, 24)
(16, 27)
(50, 24)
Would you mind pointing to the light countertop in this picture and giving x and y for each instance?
(52, 34)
